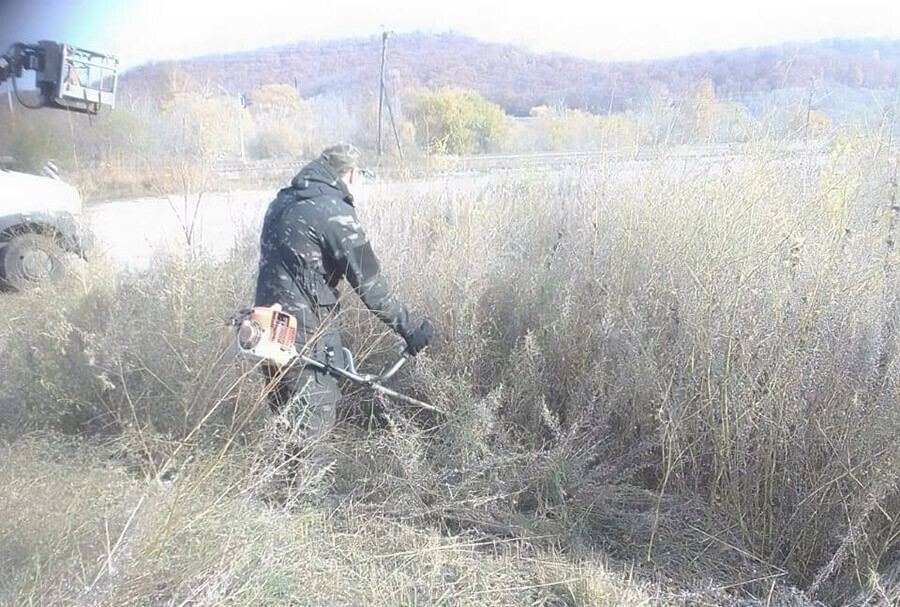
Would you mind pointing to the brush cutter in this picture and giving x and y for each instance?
(267, 334)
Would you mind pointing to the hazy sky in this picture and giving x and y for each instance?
(141, 30)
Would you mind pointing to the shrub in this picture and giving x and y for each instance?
(577, 130)
(278, 140)
(36, 144)
(459, 121)
(624, 357)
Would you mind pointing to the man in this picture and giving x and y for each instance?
(311, 239)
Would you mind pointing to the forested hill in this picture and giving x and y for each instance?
(518, 79)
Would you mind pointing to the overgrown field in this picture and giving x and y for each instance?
(666, 383)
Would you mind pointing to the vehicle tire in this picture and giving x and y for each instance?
(30, 260)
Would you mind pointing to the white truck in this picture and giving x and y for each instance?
(40, 229)
(40, 216)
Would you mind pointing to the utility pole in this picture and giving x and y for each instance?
(384, 39)
(240, 102)
(809, 102)
(240, 108)
(387, 102)
(612, 94)
(384, 100)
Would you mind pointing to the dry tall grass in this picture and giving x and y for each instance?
(665, 382)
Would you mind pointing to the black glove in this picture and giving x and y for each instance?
(419, 337)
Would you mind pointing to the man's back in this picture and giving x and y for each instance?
(311, 239)
(297, 267)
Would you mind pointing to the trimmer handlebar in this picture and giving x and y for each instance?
(350, 372)
(370, 380)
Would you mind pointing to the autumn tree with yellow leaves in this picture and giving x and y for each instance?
(459, 121)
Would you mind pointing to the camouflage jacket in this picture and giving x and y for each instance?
(311, 239)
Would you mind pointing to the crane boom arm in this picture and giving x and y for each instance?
(66, 77)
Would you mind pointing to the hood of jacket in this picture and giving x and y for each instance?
(316, 179)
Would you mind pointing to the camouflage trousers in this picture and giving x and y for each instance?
(308, 397)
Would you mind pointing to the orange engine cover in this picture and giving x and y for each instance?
(268, 334)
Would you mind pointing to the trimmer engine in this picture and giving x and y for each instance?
(268, 334)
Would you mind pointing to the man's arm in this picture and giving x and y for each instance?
(351, 250)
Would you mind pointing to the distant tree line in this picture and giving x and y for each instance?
(519, 80)
(460, 102)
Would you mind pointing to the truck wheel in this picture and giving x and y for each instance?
(29, 260)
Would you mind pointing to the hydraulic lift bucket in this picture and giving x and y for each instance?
(77, 79)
